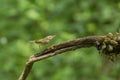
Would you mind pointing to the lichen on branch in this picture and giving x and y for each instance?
(110, 46)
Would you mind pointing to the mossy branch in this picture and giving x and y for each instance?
(90, 41)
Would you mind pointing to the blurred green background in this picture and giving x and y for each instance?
(25, 20)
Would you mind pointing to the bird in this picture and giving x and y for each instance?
(43, 41)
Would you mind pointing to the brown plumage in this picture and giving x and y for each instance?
(43, 41)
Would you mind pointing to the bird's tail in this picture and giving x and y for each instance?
(32, 41)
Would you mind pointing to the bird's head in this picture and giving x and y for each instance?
(50, 37)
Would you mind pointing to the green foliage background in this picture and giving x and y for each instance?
(25, 20)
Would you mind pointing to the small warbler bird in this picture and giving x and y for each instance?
(43, 41)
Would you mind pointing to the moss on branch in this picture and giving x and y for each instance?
(108, 45)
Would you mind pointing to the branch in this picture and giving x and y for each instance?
(60, 48)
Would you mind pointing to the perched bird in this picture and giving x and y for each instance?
(43, 41)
